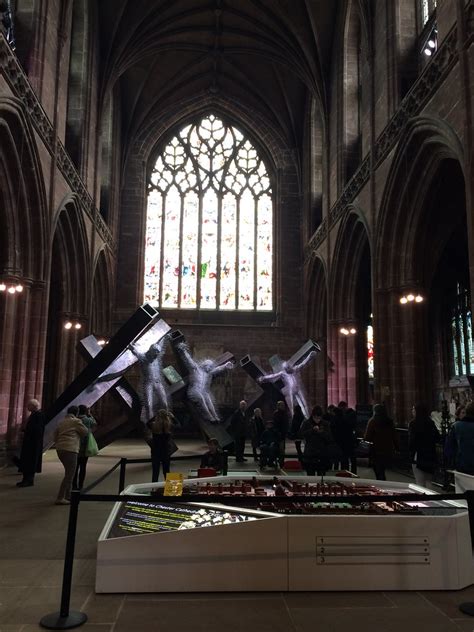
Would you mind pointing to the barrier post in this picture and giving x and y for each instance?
(66, 619)
(123, 466)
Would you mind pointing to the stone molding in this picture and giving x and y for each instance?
(17, 79)
(422, 90)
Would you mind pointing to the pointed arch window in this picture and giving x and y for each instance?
(209, 231)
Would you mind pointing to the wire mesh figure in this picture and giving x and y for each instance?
(293, 389)
(200, 375)
(153, 391)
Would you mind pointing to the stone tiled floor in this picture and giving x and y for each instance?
(32, 540)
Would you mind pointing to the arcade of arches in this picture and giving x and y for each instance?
(335, 178)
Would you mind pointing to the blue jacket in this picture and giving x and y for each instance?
(464, 432)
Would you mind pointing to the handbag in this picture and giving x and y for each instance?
(362, 449)
(172, 447)
(92, 449)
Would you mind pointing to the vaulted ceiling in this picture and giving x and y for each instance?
(268, 55)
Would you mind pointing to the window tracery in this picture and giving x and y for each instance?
(209, 234)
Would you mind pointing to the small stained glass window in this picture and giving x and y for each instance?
(209, 231)
(461, 333)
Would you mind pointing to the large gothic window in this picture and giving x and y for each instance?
(209, 232)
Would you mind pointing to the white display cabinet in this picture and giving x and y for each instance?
(152, 545)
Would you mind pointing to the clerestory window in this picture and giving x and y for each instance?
(209, 230)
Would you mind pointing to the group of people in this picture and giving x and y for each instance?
(71, 442)
(323, 441)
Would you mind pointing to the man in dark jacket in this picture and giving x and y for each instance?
(31, 455)
(281, 424)
(238, 430)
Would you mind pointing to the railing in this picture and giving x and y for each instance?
(67, 619)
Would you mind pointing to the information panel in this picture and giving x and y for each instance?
(136, 518)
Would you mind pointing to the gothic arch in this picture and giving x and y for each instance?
(316, 292)
(102, 294)
(70, 249)
(267, 138)
(350, 309)
(426, 144)
(22, 200)
(69, 291)
(353, 244)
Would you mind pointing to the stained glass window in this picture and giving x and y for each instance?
(461, 333)
(370, 351)
(209, 231)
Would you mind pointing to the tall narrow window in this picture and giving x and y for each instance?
(461, 333)
(209, 233)
(427, 8)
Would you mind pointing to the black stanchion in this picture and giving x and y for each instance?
(66, 619)
(468, 606)
(123, 467)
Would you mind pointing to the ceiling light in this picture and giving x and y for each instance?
(419, 298)
(344, 331)
(410, 298)
(19, 288)
(403, 300)
(3, 287)
(68, 325)
(77, 326)
(428, 52)
(11, 290)
(432, 43)
(353, 330)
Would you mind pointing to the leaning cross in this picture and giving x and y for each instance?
(280, 379)
(145, 327)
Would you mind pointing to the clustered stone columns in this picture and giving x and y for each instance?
(22, 332)
(402, 353)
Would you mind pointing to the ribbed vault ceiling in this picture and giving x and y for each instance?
(267, 54)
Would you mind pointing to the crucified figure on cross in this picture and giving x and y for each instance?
(201, 374)
(154, 394)
(288, 374)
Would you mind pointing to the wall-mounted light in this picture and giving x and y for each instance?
(72, 324)
(348, 331)
(11, 287)
(411, 298)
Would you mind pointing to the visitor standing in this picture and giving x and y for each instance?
(162, 444)
(296, 422)
(382, 435)
(90, 423)
(464, 435)
(256, 427)
(31, 455)
(238, 430)
(281, 424)
(422, 439)
(67, 441)
(317, 455)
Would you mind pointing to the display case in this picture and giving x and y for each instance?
(159, 544)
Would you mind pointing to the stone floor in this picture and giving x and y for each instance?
(32, 540)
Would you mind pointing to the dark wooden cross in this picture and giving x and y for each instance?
(107, 367)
